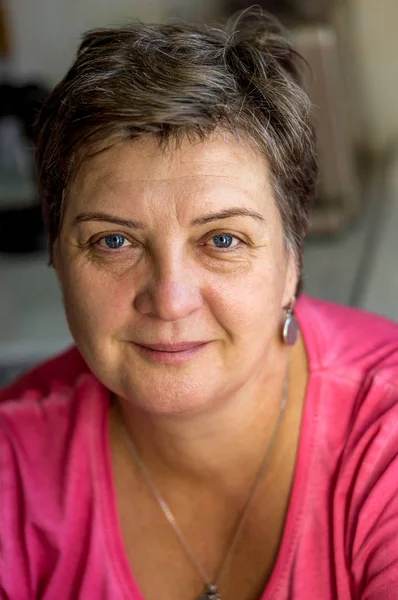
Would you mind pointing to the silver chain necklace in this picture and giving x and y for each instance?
(211, 590)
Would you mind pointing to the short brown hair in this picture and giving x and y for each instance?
(176, 80)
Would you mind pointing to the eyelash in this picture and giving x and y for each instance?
(213, 234)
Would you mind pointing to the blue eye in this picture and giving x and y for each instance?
(223, 240)
(114, 241)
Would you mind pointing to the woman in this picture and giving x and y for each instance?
(194, 444)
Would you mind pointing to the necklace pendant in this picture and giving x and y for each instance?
(210, 593)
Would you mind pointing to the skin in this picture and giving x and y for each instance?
(200, 425)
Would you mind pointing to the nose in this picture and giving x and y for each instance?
(171, 294)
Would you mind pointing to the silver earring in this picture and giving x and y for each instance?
(290, 326)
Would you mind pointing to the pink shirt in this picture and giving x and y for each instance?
(59, 532)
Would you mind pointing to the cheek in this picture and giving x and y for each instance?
(93, 303)
(250, 305)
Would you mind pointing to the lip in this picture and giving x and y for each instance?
(172, 347)
(172, 353)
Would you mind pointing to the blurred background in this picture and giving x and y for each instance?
(351, 47)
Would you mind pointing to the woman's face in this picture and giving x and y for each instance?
(174, 271)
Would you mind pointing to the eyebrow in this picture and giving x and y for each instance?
(228, 213)
(224, 214)
(100, 216)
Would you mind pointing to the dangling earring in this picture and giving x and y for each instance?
(290, 326)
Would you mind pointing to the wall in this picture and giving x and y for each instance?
(45, 33)
(374, 44)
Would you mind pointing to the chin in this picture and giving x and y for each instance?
(172, 395)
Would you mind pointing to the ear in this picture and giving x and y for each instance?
(291, 278)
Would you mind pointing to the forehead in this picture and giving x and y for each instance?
(142, 169)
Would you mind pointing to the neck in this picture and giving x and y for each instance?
(224, 444)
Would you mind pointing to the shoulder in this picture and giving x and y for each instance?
(58, 372)
(342, 339)
(42, 405)
(353, 357)
(38, 430)
(48, 452)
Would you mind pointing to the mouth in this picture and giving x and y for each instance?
(172, 353)
(172, 347)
